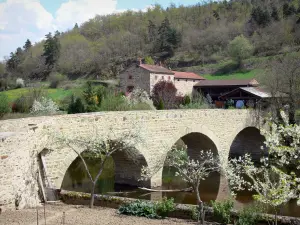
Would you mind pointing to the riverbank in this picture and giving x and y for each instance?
(79, 215)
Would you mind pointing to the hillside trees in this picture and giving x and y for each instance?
(105, 45)
(240, 48)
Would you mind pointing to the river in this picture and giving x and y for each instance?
(77, 180)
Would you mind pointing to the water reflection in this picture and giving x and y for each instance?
(76, 179)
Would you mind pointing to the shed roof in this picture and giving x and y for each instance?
(156, 69)
(187, 75)
(214, 83)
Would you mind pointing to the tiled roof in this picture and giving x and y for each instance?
(187, 75)
(214, 83)
(156, 69)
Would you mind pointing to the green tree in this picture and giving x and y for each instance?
(275, 14)
(51, 49)
(152, 31)
(149, 60)
(240, 48)
(167, 41)
(27, 45)
(76, 27)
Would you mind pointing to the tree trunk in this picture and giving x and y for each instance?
(200, 205)
(92, 195)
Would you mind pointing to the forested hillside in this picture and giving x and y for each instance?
(179, 36)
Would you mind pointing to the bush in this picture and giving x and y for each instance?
(24, 103)
(76, 106)
(197, 102)
(55, 79)
(4, 105)
(139, 99)
(20, 83)
(139, 208)
(222, 210)
(44, 106)
(166, 92)
(165, 206)
(149, 209)
(249, 215)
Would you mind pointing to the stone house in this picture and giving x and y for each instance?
(146, 76)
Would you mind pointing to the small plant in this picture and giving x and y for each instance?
(165, 206)
(20, 83)
(222, 210)
(4, 105)
(249, 215)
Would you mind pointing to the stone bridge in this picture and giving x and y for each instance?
(24, 144)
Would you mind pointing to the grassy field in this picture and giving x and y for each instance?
(55, 94)
(234, 76)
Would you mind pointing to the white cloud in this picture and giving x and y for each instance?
(22, 19)
(79, 11)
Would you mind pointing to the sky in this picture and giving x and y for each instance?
(33, 19)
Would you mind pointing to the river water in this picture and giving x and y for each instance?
(77, 180)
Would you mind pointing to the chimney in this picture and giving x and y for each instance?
(140, 62)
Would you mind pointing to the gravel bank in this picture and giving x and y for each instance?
(78, 216)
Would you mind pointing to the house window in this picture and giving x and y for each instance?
(162, 77)
(193, 80)
(130, 77)
(155, 77)
(186, 80)
(177, 79)
(169, 78)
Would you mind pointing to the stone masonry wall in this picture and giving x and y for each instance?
(185, 86)
(21, 140)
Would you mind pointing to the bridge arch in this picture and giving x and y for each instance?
(248, 140)
(196, 138)
(127, 168)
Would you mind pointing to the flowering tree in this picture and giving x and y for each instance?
(98, 146)
(44, 105)
(273, 180)
(190, 170)
(164, 93)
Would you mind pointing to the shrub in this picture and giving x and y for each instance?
(197, 102)
(186, 100)
(76, 106)
(140, 98)
(165, 206)
(55, 79)
(249, 215)
(24, 103)
(166, 92)
(4, 105)
(222, 210)
(44, 106)
(20, 83)
(149, 209)
(139, 208)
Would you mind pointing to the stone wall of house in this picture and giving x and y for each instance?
(185, 86)
(22, 140)
(155, 78)
(135, 76)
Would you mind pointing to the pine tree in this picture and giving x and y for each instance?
(51, 49)
(27, 45)
(76, 27)
(152, 32)
(275, 14)
(167, 41)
